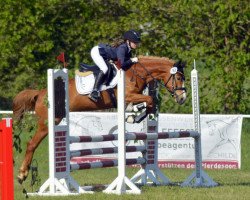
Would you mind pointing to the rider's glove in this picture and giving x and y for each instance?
(134, 60)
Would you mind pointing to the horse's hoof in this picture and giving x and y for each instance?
(152, 116)
(130, 119)
(21, 177)
(20, 180)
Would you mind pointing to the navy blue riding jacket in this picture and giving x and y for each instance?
(122, 53)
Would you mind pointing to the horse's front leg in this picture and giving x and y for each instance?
(41, 133)
(142, 113)
(139, 98)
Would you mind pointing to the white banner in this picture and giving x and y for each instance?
(220, 139)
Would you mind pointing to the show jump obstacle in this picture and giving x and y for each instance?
(6, 160)
(61, 183)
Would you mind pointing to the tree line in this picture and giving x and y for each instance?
(214, 33)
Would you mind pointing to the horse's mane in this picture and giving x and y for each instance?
(154, 58)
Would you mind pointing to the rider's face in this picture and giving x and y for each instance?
(133, 45)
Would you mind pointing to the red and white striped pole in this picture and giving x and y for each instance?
(6, 160)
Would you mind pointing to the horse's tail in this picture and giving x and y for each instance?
(24, 101)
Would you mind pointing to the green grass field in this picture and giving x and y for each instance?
(233, 184)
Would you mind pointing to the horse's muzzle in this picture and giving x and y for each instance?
(181, 98)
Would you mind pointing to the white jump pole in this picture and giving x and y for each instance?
(198, 178)
(59, 182)
(121, 184)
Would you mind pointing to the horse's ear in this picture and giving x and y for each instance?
(183, 64)
(180, 64)
(177, 64)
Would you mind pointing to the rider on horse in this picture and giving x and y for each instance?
(103, 53)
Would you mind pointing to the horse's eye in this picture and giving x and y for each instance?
(180, 78)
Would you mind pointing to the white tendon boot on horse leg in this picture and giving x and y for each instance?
(137, 117)
(139, 107)
(139, 111)
(135, 108)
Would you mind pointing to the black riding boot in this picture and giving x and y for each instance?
(95, 94)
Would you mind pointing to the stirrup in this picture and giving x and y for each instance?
(94, 95)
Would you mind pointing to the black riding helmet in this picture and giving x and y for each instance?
(132, 36)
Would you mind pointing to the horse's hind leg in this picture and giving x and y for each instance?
(41, 133)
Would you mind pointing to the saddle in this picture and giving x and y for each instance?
(111, 73)
(86, 75)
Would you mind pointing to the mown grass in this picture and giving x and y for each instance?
(233, 184)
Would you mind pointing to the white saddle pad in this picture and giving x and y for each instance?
(85, 84)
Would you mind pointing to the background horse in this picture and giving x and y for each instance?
(137, 77)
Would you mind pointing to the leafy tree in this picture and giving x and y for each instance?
(215, 33)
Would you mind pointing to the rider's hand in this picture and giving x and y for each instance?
(134, 60)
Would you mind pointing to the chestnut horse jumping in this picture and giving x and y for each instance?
(163, 70)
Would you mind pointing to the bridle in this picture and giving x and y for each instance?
(173, 71)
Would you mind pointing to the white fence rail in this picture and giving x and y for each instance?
(6, 112)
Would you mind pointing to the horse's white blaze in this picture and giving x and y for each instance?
(181, 98)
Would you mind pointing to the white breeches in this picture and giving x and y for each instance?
(98, 59)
